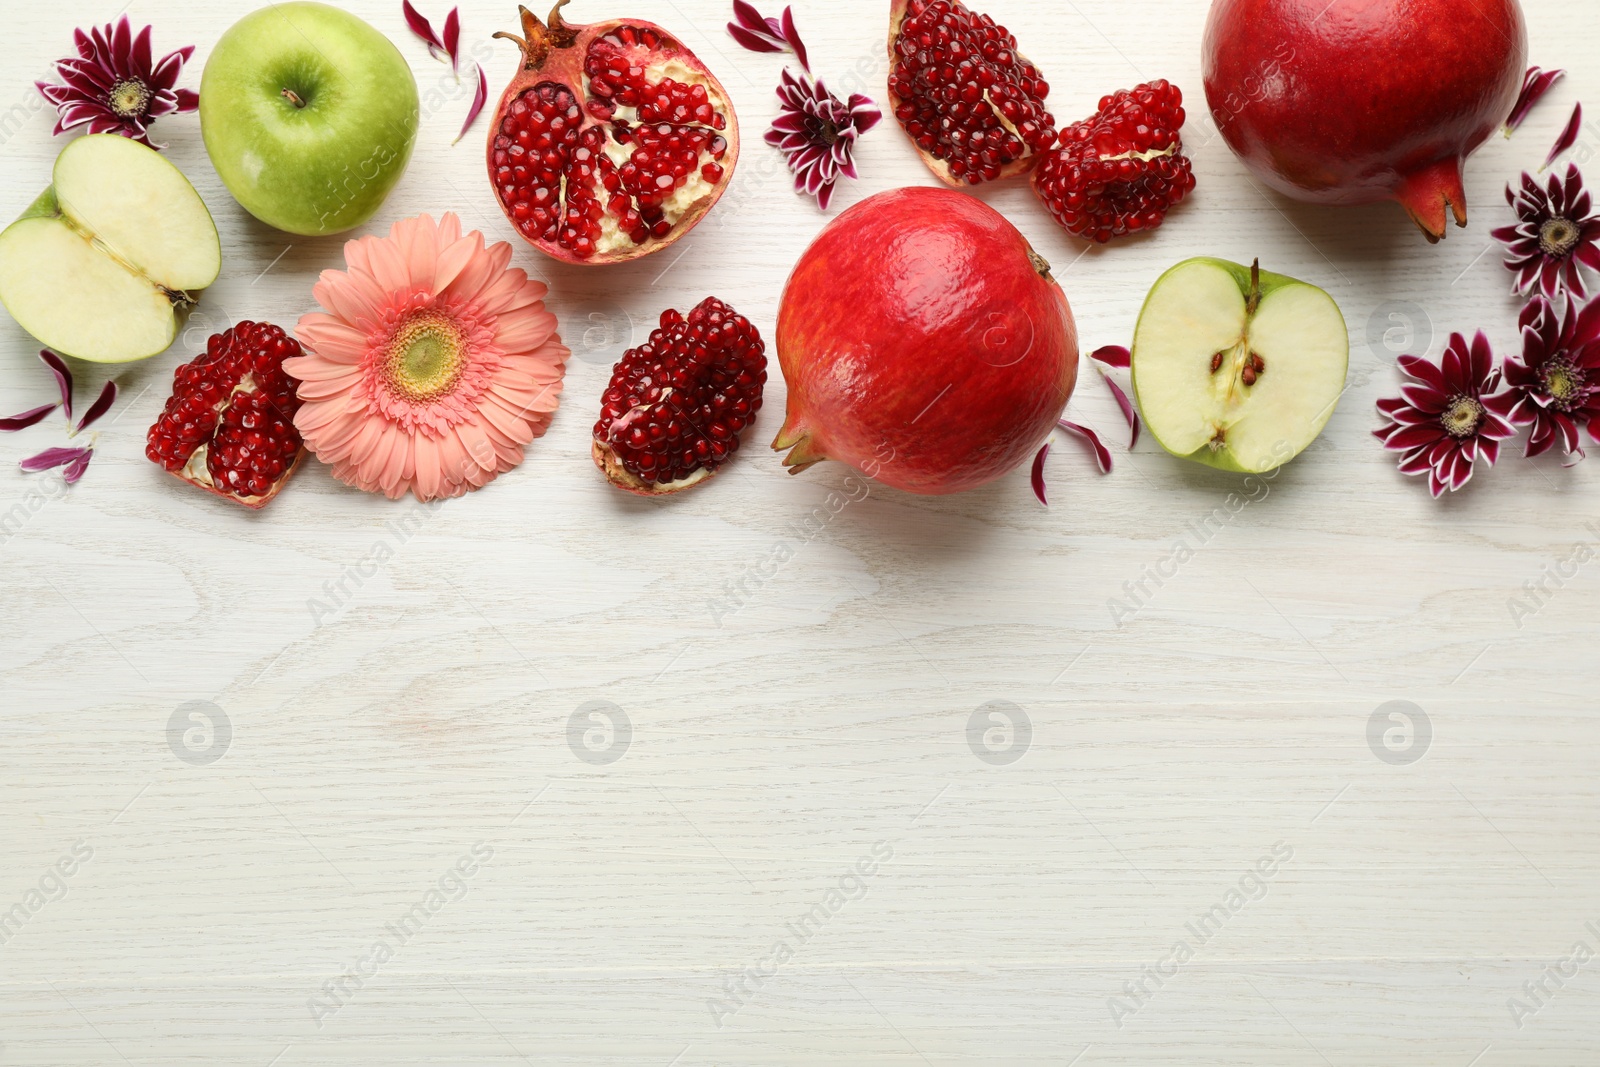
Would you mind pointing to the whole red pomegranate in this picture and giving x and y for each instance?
(612, 141)
(1357, 101)
(924, 343)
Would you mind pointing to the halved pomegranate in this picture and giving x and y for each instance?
(229, 425)
(972, 104)
(612, 141)
(676, 405)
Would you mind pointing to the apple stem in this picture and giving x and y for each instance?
(1255, 288)
(293, 98)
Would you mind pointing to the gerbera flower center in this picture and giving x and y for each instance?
(1462, 417)
(1559, 236)
(129, 98)
(426, 357)
(1563, 382)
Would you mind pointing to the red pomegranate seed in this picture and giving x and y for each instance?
(676, 405)
(1119, 171)
(970, 101)
(233, 407)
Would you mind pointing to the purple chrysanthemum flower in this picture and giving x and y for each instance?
(114, 84)
(816, 132)
(1450, 415)
(1556, 382)
(1555, 233)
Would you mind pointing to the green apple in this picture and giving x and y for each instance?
(309, 115)
(1235, 367)
(105, 264)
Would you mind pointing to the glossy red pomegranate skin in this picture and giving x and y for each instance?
(1364, 100)
(924, 343)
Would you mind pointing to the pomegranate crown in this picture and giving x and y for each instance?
(538, 40)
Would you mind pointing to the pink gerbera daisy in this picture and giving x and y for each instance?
(1450, 416)
(433, 366)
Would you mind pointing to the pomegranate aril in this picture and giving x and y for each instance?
(663, 418)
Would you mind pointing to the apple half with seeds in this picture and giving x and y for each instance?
(105, 264)
(1235, 367)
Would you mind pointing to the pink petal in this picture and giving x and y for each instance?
(101, 405)
(1038, 474)
(52, 457)
(1102, 454)
(28, 418)
(420, 26)
(1569, 136)
(58, 367)
(76, 468)
(452, 38)
(1127, 409)
(792, 35)
(1113, 356)
(1534, 85)
(479, 98)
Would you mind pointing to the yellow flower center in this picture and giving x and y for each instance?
(1558, 237)
(1563, 382)
(1462, 417)
(129, 98)
(426, 357)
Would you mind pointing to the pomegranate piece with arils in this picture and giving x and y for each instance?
(970, 101)
(612, 141)
(229, 425)
(677, 404)
(1118, 172)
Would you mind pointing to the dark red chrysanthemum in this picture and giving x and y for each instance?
(1555, 233)
(1450, 415)
(1556, 382)
(115, 86)
(816, 132)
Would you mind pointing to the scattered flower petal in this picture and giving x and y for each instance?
(115, 84)
(1556, 381)
(1534, 85)
(452, 39)
(1113, 356)
(1038, 474)
(76, 468)
(760, 34)
(51, 458)
(1556, 233)
(479, 98)
(1568, 138)
(1450, 415)
(792, 35)
(101, 405)
(1102, 454)
(1128, 411)
(58, 367)
(424, 30)
(26, 419)
(816, 132)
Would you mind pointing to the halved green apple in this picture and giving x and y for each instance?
(1235, 367)
(106, 264)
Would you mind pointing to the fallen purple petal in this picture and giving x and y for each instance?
(479, 98)
(1038, 474)
(452, 39)
(792, 35)
(1102, 454)
(1128, 411)
(76, 468)
(51, 458)
(26, 419)
(758, 33)
(58, 367)
(1568, 138)
(1534, 85)
(423, 30)
(101, 405)
(1113, 356)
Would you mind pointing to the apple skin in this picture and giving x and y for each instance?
(924, 343)
(328, 166)
(1361, 101)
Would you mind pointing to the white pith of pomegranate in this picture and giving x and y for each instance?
(612, 141)
(972, 104)
(676, 405)
(229, 425)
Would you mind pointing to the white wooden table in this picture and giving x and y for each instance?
(1019, 881)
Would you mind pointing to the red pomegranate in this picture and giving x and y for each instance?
(1364, 100)
(972, 104)
(612, 141)
(924, 343)
(228, 427)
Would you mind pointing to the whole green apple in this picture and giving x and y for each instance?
(309, 115)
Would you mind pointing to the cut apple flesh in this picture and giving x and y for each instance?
(104, 266)
(1235, 369)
